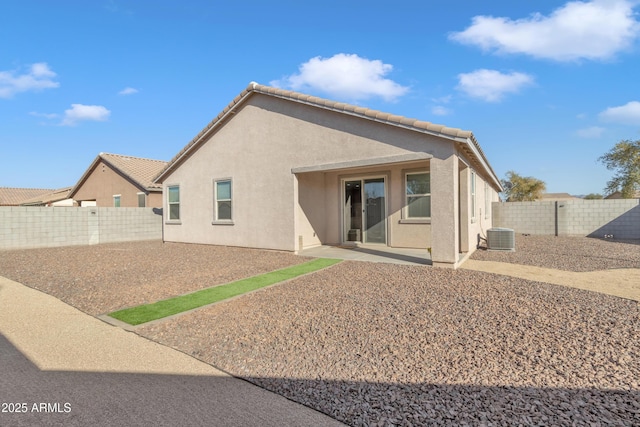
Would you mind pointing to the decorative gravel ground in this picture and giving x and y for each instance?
(379, 344)
(568, 253)
(383, 344)
(103, 278)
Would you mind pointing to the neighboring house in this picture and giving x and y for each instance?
(113, 180)
(15, 196)
(557, 196)
(278, 169)
(618, 195)
(55, 198)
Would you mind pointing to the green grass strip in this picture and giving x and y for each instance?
(158, 310)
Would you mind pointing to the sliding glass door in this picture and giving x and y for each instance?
(364, 212)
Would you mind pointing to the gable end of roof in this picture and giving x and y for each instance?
(460, 136)
(139, 171)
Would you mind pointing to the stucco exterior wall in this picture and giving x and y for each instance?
(257, 149)
(476, 215)
(445, 242)
(104, 182)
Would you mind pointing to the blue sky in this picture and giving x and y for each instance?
(546, 87)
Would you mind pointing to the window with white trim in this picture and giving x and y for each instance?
(418, 195)
(473, 196)
(223, 200)
(173, 202)
(487, 201)
(142, 200)
(116, 201)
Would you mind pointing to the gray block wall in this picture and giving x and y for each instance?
(525, 217)
(36, 227)
(593, 218)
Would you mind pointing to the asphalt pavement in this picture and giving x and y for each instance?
(60, 366)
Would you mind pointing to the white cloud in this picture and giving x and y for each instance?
(592, 30)
(128, 91)
(44, 115)
(80, 112)
(345, 76)
(443, 99)
(590, 132)
(492, 85)
(628, 114)
(439, 110)
(37, 78)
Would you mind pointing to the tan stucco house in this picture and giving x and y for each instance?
(114, 180)
(278, 169)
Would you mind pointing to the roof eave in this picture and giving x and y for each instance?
(212, 126)
(474, 147)
(84, 176)
(94, 164)
(124, 174)
(428, 128)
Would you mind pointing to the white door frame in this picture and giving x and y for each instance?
(343, 225)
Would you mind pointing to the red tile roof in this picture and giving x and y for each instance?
(15, 196)
(139, 169)
(50, 197)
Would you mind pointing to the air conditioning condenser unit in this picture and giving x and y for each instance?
(501, 239)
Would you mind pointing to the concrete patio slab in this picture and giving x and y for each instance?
(371, 253)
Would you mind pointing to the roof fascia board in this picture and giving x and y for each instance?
(457, 135)
(84, 176)
(366, 117)
(123, 174)
(467, 140)
(485, 165)
(402, 158)
(204, 134)
(91, 169)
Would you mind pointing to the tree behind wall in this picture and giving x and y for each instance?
(593, 196)
(522, 188)
(624, 159)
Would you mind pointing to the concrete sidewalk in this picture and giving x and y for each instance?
(623, 283)
(108, 375)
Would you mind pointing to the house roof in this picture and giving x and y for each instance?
(50, 197)
(465, 139)
(138, 170)
(15, 196)
(618, 195)
(557, 196)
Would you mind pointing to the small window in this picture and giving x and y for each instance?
(418, 193)
(487, 201)
(116, 201)
(173, 201)
(142, 200)
(222, 196)
(473, 196)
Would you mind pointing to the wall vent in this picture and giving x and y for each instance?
(501, 239)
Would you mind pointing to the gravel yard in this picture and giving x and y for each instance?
(402, 345)
(103, 278)
(379, 344)
(568, 253)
